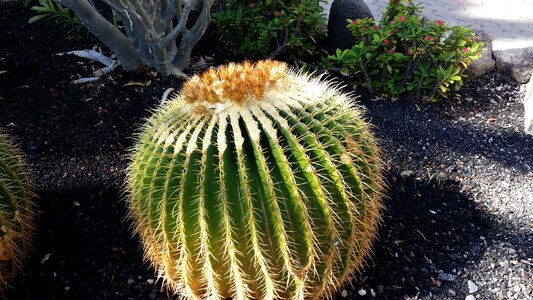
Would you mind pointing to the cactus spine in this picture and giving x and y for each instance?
(256, 182)
(15, 211)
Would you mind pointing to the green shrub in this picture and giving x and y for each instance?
(256, 182)
(47, 9)
(15, 211)
(409, 54)
(272, 27)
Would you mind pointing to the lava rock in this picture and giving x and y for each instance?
(25, 68)
(485, 63)
(516, 62)
(341, 10)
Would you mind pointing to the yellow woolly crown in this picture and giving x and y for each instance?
(235, 83)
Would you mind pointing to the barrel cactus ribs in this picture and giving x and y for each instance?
(256, 182)
(15, 211)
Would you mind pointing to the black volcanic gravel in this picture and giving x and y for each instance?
(459, 211)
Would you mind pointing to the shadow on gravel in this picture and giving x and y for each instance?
(427, 230)
(84, 249)
(402, 125)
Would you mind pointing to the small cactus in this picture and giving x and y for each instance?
(15, 211)
(256, 182)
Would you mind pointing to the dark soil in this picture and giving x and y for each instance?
(76, 138)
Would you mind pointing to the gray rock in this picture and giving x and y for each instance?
(407, 173)
(516, 62)
(472, 287)
(528, 108)
(341, 10)
(485, 63)
(447, 277)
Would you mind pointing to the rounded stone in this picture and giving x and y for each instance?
(485, 63)
(341, 10)
(516, 62)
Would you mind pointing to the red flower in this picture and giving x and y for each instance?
(375, 27)
(401, 19)
(426, 38)
(387, 42)
(355, 22)
(439, 22)
(391, 51)
(472, 39)
(409, 52)
(252, 5)
(465, 50)
(392, 22)
(391, 32)
(277, 13)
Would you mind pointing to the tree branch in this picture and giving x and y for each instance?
(135, 33)
(203, 21)
(179, 28)
(92, 55)
(171, 11)
(106, 32)
(191, 37)
(142, 15)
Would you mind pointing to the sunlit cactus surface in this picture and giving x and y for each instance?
(15, 211)
(256, 182)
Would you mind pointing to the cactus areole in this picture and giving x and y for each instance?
(256, 182)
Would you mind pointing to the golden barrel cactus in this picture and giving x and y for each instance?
(15, 211)
(256, 182)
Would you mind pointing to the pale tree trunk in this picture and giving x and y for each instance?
(155, 32)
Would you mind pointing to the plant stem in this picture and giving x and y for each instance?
(368, 80)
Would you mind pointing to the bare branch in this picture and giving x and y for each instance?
(201, 24)
(151, 33)
(191, 37)
(163, 8)
(106, 32)
(144, 18)
(179, 28)
(86, 79)
(98, 74)
(92, 55)
(170, 12)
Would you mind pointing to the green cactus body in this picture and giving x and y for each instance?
(15, 211)
(256, 182)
